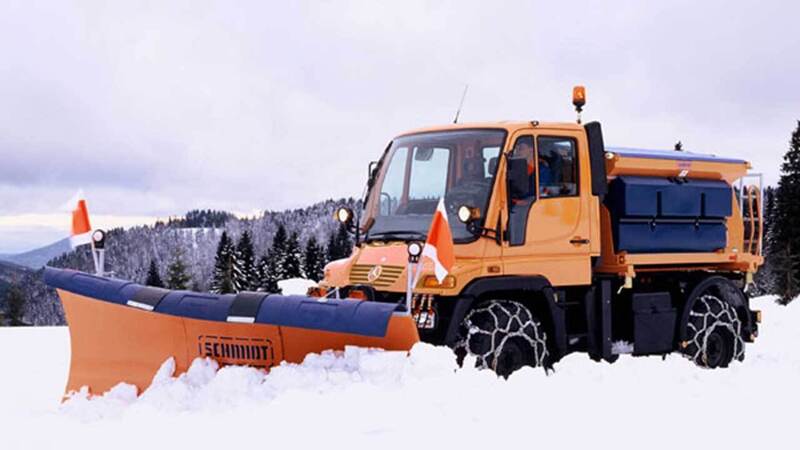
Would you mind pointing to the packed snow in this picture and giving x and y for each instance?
(295, 286)
(363, 398)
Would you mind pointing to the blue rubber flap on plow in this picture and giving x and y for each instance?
(366, 318)
(88, 285)
(196, 305)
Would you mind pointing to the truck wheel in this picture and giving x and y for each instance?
(504, 336)
(714, 333)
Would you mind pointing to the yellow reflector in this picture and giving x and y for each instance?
(430, 281)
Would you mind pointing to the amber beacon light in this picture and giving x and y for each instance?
(579, 99)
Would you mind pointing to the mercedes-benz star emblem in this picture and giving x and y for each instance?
(374, 273)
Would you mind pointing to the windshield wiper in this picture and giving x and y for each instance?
(388, 235)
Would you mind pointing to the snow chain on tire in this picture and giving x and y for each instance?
(509, 320)
(709, 313)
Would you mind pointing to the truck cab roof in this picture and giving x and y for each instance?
(629, 152)
(508, 125)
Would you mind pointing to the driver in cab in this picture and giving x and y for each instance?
(548, 168)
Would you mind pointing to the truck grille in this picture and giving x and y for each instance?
(359, 274)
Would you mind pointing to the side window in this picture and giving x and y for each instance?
(392, 188)
(558, 167)
(521, 196)
(523, 148)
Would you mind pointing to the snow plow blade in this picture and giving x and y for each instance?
(122, 332)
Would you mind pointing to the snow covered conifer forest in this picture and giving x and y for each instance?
(186, 252)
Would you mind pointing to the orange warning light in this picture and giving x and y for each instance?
(578, 97)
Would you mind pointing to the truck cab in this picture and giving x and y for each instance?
(549, 225)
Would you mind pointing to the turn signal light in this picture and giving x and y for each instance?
(430, 281)
(316, 291)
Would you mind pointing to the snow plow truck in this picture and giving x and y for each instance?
(561, 245)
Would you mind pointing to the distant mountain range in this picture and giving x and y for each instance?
(36, 259)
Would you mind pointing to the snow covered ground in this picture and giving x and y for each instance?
(372, 399)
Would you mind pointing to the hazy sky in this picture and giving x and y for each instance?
(155, 108)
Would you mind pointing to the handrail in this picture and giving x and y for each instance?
(755, 211)
(758, 195)
(750, 217)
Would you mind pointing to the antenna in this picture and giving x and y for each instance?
(463, 96)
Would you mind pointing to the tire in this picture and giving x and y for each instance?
(714, 333)
(504, 336)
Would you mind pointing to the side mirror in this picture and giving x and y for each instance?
(492, 168)
(371, 170)
(519, 185)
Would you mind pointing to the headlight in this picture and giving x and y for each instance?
(344, 215)
(414, 249)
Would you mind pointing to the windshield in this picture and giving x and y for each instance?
(419, 169)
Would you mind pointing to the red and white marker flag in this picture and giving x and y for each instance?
(81, 228)
(439, 246)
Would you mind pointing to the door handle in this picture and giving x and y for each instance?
(577, 240)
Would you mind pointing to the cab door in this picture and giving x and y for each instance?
(548, 228)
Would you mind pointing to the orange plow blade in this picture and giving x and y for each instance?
(122, 332)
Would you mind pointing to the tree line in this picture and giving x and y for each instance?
(237, 268)
(780, 274)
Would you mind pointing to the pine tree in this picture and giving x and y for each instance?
(267, 274)
(222, 281)
(343, 242)
(787, 224)
(313, 259)
(153, 277)
(15, 305)
(293, 264)
(277, 253)
(786, 263)
(339, 244)
(246, 258)
(765, 282)
(332, 251)
(177, 276)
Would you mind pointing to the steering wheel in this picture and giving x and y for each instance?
(465, 194)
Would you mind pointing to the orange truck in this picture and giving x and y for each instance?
(562, 244)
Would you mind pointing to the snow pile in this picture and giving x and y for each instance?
(363, 398)
(206, 387)
(295, 286)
